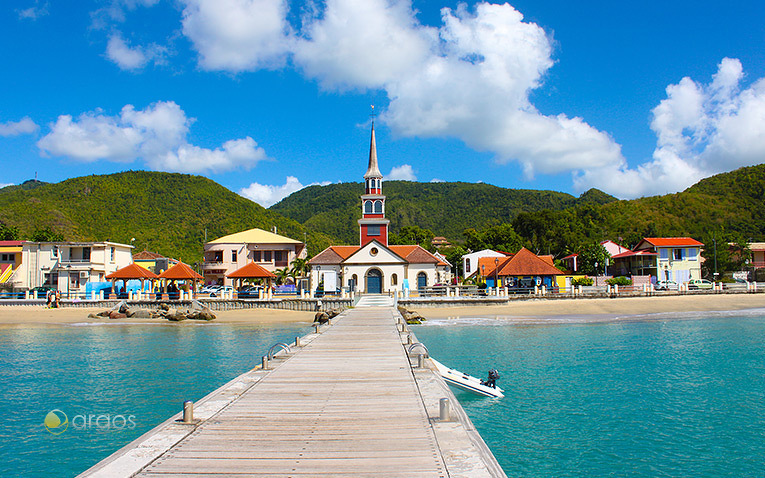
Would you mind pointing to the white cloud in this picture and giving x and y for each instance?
(401, 173)
(701, 130)
(267, 195)
(2, 185)
(363, 44)
(470, 78)
(34, 12)
(156, 134)
(436, 180)
(237, 35)
(124, 56)
(15, 128)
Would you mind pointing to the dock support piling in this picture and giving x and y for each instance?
(188, 411)
(444, 410)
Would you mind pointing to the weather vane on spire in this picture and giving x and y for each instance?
(373, 115)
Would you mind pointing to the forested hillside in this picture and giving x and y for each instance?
(164, 212)
(447, 209)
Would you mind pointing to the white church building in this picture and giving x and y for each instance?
(374, 266)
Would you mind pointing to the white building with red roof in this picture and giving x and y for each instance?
(665, 258)
(374, 266)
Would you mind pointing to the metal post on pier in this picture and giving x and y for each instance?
(264, 362)
(297, 341)
(188, 411)
(420, 360)
(444, 410)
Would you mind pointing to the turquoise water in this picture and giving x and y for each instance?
(653, 398)
(143, 371)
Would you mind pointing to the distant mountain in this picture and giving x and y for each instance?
(447, 209)
(166, 213)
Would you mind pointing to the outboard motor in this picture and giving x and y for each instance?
(492, 380)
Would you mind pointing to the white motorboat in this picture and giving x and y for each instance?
(466, 382)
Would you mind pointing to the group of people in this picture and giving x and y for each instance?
(53, 299)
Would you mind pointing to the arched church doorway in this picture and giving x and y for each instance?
(422, 281)
(374, 281)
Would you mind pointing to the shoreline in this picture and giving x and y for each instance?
(541, 310)
(527, 311)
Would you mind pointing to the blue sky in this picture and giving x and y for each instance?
(264, 96)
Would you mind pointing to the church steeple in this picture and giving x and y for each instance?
(373, 171)
(373, 225)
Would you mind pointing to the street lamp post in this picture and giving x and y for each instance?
(596, 274)
(496, 266)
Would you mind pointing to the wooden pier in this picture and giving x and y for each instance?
(349, 401)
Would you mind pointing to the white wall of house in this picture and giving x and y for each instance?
(70, 265)
(470, 261)
(680, 263)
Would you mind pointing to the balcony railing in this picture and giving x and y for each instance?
(212, 264)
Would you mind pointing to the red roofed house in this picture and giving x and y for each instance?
(374, 266)
(524, 269)
(664, 258)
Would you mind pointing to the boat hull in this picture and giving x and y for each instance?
(466, 382)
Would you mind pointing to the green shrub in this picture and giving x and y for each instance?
(583, 281)
(620, 281)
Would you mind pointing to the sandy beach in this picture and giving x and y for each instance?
(10, 315)
(621, 307)
(535, 309)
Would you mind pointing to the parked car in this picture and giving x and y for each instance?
(221, 289)
(666, 285)
(41, 292)
(209, 289)
(700, 284)
(249, 292)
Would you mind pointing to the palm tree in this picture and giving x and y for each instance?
(300, 268)
(281, 275)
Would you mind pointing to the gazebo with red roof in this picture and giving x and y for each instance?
(251, 271)
(181, 271)
(131, 272)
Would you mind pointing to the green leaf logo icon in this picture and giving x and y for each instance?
(56, 422)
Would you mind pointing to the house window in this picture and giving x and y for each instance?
(233, 256)
(467, 265)
(111, 252)
(267, 256)
(54, 253)
(373, 230)
(218, 256)
(86, 254)
(692, 254)
(663, 254)
(278, 256)
(256, 256)
(677, 254)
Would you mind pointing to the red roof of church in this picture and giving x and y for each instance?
(250, 271)
(412, 254)
(180, 271)
(133, 271)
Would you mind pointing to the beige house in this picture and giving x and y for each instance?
(267, 249)
(68, 266)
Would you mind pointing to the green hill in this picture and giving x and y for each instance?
(447, 209)
(164, 212)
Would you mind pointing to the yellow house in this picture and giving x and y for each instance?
(10, 259)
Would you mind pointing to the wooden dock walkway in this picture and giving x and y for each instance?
(348, 402)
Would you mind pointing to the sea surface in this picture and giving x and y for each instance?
(680, 395)
(136, 375)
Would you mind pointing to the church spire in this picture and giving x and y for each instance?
(373, 171)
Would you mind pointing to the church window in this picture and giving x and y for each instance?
(378, 207)
(373, 252)
(373, 230)
(393, 279)
(367, 207)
